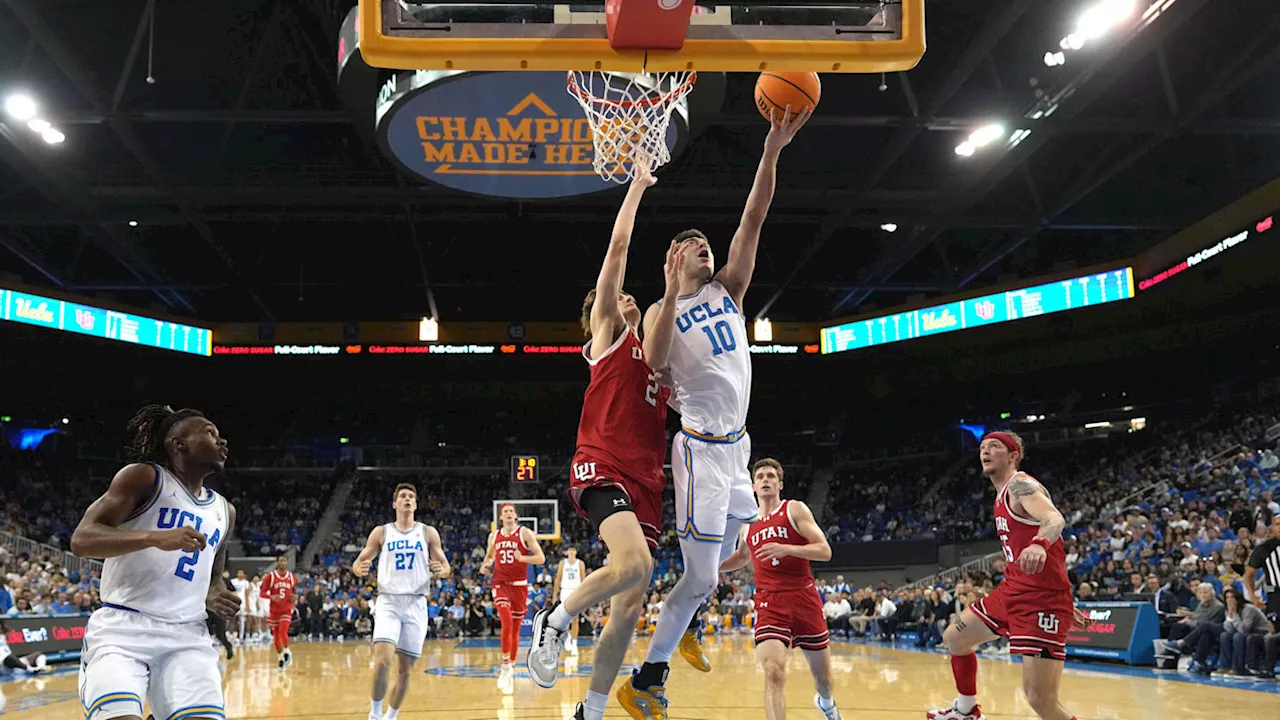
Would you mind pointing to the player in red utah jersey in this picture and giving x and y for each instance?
(512, 549)
(278, 587)
(788, 610)
(617, 479)
(1033, 607)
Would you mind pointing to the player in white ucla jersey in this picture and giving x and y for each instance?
(409, 555)
(707, 355)
(163, 535)
(569, 577)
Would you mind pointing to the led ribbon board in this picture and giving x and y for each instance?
(1053, 297)
(46, 312)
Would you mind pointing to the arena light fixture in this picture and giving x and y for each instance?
(987, 134)
(1055, 59)
(66, 421)
(889, 227)
(20, 107)
(965, 149)
(763, 330)
(38, 125)
(133, 223)
(428, 330)
(52, 136)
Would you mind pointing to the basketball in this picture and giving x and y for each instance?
(775, 91)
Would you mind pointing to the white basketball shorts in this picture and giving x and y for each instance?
(713, 484)
(402, 621)
(129, 657)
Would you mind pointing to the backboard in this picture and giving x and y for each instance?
(742, 36)
(540, 516)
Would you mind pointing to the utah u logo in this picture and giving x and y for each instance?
(584, 471)
(637, 353)
(1049, 623)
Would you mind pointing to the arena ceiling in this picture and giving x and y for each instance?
(256, 198)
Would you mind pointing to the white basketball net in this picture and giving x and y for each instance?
(629, 116)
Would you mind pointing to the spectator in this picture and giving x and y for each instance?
(1198, 631)
(1242, 623)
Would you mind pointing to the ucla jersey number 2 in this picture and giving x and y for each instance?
(721, 337)
(172, 518)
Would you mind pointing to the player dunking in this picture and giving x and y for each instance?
(1033, 606)
(278, 587)
(409, 555)
(161, 532)
(512, 549)
(710, 365)
(617, 477)
(569, 576)
(779, 547)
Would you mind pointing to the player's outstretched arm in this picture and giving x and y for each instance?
(220, 601)
(739, 558)
(370, 550)
(606, 321)
(535, 556)
(802, 519)
(1030, 498)
(99, 535)
(660, 318)
(741, 265)
(437, 560)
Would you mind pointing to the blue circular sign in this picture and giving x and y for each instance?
(502, 134)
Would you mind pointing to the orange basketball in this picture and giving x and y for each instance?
(775, 91)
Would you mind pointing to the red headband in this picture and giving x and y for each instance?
(504, 506)
(1006, 440)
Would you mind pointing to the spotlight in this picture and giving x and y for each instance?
(38, 125)
(20, 107)
(1054, 59)
(889, 227)
(764, 330)
(133, 223)
(53, 137)
(965, 149)
(1074, 41)
(987, 134)
(66, 421)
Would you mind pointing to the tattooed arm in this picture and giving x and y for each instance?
(1029, 499)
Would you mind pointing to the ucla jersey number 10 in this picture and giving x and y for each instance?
(721, 337)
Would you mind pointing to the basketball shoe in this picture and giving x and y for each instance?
(648, 704)
(691, 650)
(953, 713)
(832, 713)
(543, 660)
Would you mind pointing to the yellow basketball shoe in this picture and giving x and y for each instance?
(650, 704)
(691, 650)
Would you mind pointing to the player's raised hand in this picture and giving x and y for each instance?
(773, 551)
(183, 539)
(673, 269)
(222, 602)
(361, 567)
(783, 128)
(1079, 619)
(644, 176)
(1032, 559)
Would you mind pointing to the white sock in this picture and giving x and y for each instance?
(560, 618)
(391, 714)
(593, 708)
(375, 707)
(826, 703)
(701, 564)
(966, 703)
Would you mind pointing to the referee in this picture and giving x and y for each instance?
(1266, 557)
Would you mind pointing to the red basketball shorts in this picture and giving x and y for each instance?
(591, 471)
(1035, 621)
(275, 619)
(515, 597)
(794, 617)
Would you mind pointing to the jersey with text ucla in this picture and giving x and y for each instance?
(572, 576)
(168, 585)
(710, 362)
(402, 566)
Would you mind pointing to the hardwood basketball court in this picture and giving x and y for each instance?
(331, 680)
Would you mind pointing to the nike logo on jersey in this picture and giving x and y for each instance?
(699, 314)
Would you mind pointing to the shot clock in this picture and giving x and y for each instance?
(524, 468)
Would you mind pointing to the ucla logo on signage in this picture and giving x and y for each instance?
(512, 135)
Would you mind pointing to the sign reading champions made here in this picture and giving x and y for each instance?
(503, 134)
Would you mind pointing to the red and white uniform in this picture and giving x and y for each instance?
(1033, 611)
(788, 607)
(279, 590)
(510, 576)
(622, 435)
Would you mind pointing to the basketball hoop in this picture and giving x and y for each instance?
(629, 116)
